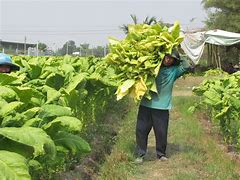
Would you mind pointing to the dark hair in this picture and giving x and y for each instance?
(175, 54)
(176, 62)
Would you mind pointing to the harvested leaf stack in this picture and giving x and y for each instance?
(137, 58)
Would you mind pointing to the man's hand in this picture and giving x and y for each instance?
(187, 64)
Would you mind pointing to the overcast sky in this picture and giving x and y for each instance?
(56, 21)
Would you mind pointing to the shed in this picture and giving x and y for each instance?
(193, 43)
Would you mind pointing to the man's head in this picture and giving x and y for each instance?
(171, 59)
(6, 65)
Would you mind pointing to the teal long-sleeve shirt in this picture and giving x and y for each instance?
(165, 81)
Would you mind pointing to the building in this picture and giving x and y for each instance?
(15, 48)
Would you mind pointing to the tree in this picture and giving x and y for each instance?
(150, 21)
(99, 51)
(124, 27)
(84, 49)
(68, 48)
(42, 47)
(223, 14)
(147, 20)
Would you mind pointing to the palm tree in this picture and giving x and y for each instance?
(147, 20)
(124, 27)
(150, 21)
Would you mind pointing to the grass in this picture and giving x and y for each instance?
(118, 165)
(193, 153)
(200, 154)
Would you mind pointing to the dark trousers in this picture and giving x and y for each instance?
(146, 119)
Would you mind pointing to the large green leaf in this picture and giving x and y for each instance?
(6, 79)
(35, 71)
(14, 119)
(30, 113)
(7, 93)
(55, 81)
(34, 122)
(52, 94)
(67, 68)
(35, 83)
(13, 166)
(64, 123)
(175, 30)
(17, 147)
(75, 98)
(10, 107)
(34, 137)
(212, 97)
(24, 94)
(50, 110)
(84, 64)
(72, 142)
(76, 80)
(2, 102)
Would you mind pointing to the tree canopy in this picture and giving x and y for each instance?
(42, 46)
(223, 14)
(148, 20)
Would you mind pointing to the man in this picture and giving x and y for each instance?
(6, 65)
(155, 112)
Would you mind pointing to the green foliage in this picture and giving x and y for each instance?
(5, 79)
(215, 72)
(7, 93)
(68, 48)
(223, 14)
(45, 105)
(42, 46)
(34, 137)
(9, 108)
(13, 166)
(72, 142)
(137, 58)
(64, 123)
(222, 97)
(52, 110)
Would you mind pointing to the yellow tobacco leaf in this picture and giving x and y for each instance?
(124, 88)
(140, 89)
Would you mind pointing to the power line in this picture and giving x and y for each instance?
(56, 34)
(48, 30)
(53, 32)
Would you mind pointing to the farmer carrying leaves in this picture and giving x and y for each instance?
(146, 65)
(154, 112)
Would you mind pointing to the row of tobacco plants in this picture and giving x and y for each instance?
(221, 98)
(44, 107)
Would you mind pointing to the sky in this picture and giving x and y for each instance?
(54, 22)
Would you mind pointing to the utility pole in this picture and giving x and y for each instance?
(37, 47)
(104, 51)
(67, 47)
(54, 49)
(25, 44)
